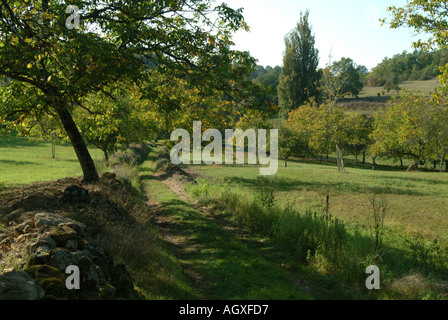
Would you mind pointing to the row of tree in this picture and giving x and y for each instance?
(411, 126)
(418, 65)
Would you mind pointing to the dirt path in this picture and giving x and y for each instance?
(184, 247)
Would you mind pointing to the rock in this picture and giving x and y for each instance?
(54, 287)
(41, 255)
(24, 227)
(18, 285)
(104, 266)
(26, 236)
(75, 193)
(107, 292)
(61, 258)
(41, 272)
(91, 275)
(62, 233)
(71, 245)
(44, 241)
(51, 219)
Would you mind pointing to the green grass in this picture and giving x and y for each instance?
(370, 99)
(23, 161)
(424, 86)
(230, 267)
(416, 200)
(408, 257)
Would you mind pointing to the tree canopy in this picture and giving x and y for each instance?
(299, 76)
(48, 68)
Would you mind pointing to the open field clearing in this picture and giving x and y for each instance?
(416, 200)
(23, 161)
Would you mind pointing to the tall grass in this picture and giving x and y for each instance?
(326, 245)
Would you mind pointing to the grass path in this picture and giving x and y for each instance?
(221, 260)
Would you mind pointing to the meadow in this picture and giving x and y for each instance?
(416, 200)
(23, 161)
(339, 223)
(370, 99)
(320, 222)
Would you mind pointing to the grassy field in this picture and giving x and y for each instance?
(412, 239)
(23, 161)
(424, 86)
(372, 98)
(416, 201)
(237, 266)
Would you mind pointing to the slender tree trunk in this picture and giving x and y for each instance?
(374, 163)
(340, 159)
(363, 157)
(443, 159)
(413, 165)
(85, 160)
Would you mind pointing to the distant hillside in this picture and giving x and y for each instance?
(418, 65)
(372, 98)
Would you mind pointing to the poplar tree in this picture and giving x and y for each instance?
(299, 77)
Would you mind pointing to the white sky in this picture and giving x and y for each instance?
(346, 28)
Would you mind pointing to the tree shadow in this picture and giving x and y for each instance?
(288, 184)
(17, 163)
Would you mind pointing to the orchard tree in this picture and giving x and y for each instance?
(290, 143)
(404, 128)
(109, 122)
(359, 128)
(42, 127)
(299, 77)
(350, 76)
(51, 60)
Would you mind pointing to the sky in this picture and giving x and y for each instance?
(344, 28)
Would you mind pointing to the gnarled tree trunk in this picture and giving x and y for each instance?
(85, 160)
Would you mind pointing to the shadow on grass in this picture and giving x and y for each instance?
(230, 268)
(16, 163)
(287, 184)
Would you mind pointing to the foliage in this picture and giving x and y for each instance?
(428, 17)
(350, 76)
(411, 126)
(109, 123)
(51, 68)
(299, 76)
(418, 65)
(269, 78)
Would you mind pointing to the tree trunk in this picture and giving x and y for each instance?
(363, 157)
(53, 148)
(443, 159)
(84, 158)
(413, 165)
(374, 163)
(340, 159)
